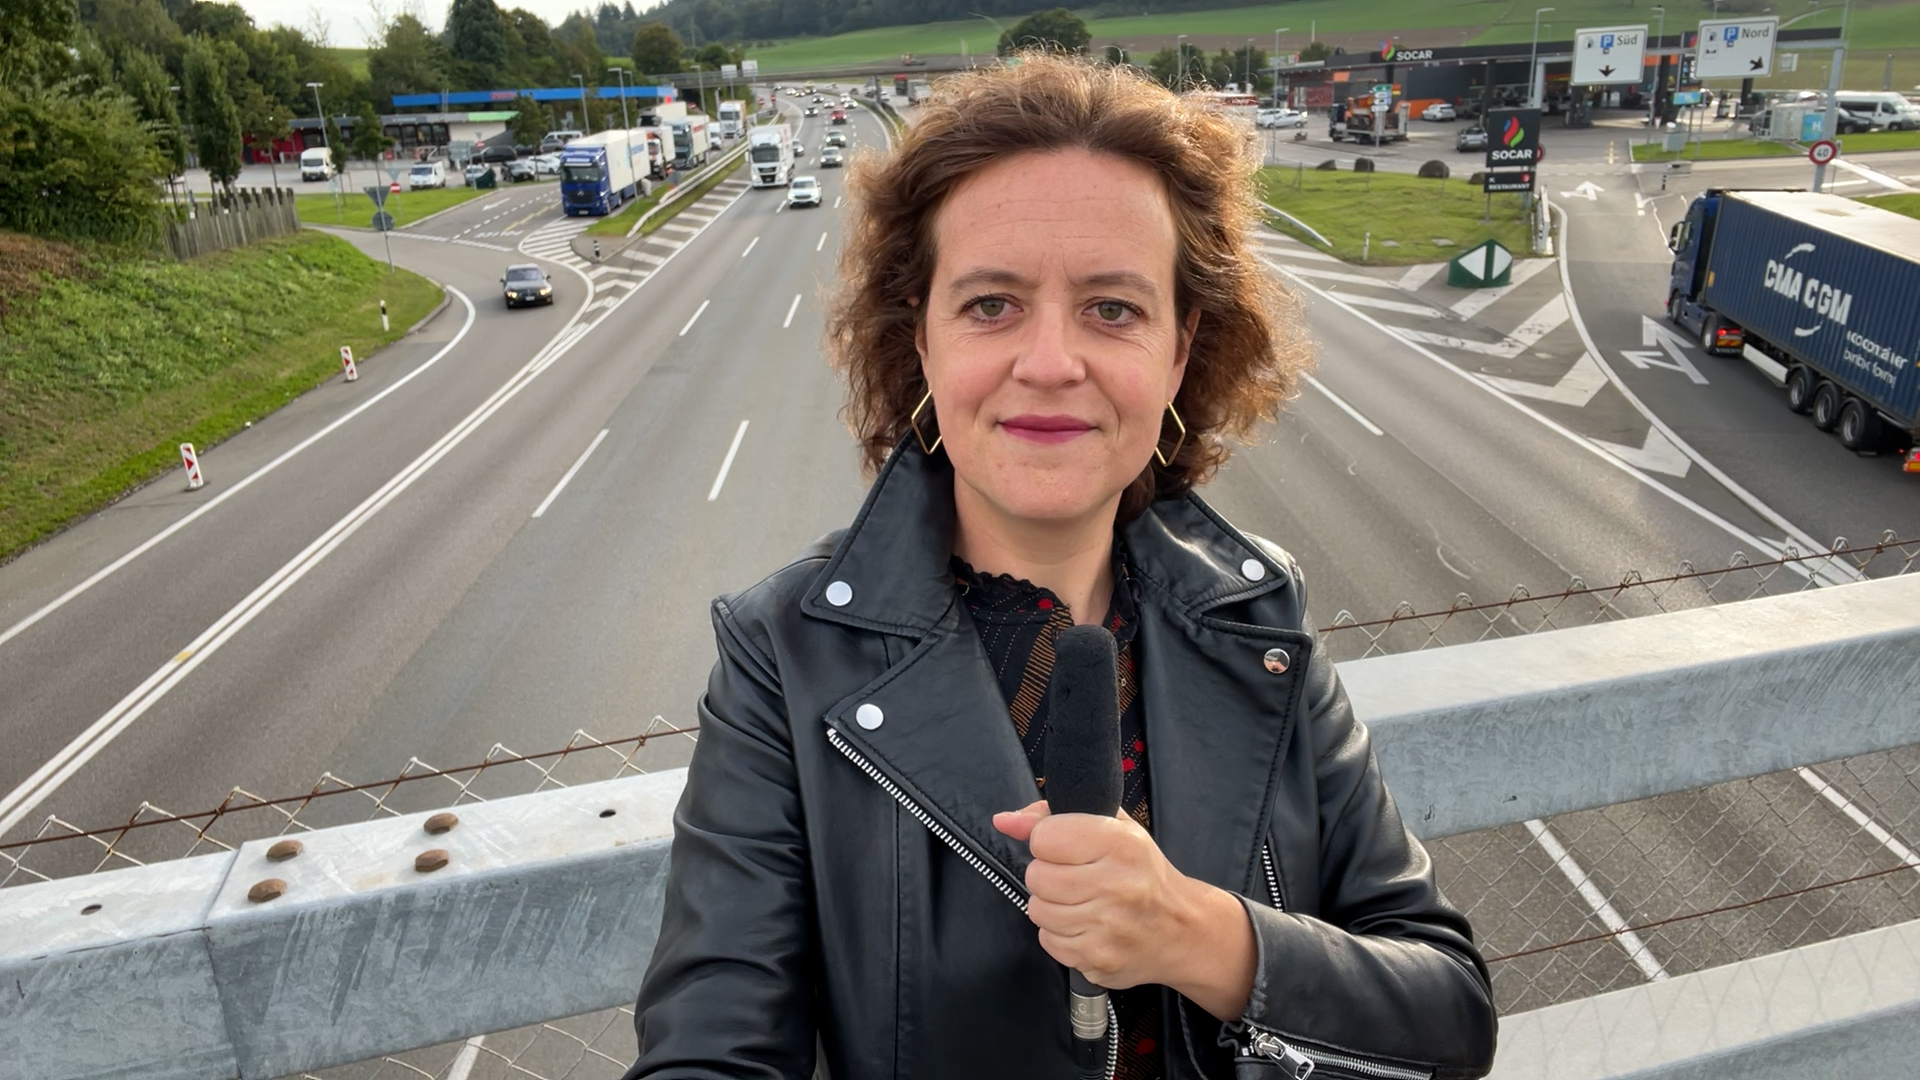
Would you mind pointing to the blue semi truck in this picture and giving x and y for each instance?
(598, 173)
(1826, 287)
(1821, 285)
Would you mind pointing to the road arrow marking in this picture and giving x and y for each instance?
(1587, 190)
(1657, 454)
(1675, 347)
(1575, 388)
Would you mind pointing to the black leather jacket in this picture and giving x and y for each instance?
(838, 894)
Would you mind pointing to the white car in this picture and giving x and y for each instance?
(546, 165)
(1278, 118)
(1439, 110)
(804, 191)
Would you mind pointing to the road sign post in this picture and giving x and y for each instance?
(382, 220)
(1823, 152)
(1609, 55)
(191, 461)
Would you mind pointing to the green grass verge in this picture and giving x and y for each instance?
(102, 376)
(1405, 210)
(1879, 140)
(1717, 150)
(618, 224)
(1908, 203)
(355, 210)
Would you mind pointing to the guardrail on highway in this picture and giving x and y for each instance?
(405, 932)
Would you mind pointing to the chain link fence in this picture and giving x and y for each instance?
(1563, 909)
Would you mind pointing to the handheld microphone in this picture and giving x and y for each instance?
(1083, 777)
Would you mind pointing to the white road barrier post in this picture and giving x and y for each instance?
(384, 328)
(346, 361)
(192, 461)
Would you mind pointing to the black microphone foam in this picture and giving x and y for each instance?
(1083, 724)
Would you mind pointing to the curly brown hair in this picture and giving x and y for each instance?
(1248, 352)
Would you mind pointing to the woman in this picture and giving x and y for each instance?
(1050, 325)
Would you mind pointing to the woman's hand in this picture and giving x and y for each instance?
(1111, 906)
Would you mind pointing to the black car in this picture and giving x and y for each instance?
(520, 169)
(525, 283)
(498, 153)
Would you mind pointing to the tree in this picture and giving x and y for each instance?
(145, 83)
(369, 139)
(336, 144)
(264, 121)
(406, 59)
(1055, 29)
(77, 165)
(476, 38)
(656, 50)
(1318, 50)
(33, 41)
(1167, 68)
(529, 123)
(210, 108)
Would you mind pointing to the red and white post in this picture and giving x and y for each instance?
(192, 461)
(346, 361)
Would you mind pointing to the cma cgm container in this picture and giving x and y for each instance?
(1823, 285)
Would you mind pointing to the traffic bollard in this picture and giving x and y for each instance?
(596, 251)
(384, 328)
(192, 462)
(346, 361)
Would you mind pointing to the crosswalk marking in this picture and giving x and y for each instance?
(1421, 310)
(1543, 322)
(1419, 275)
(1480, 299)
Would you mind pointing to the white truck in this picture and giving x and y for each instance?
(770, 150)
(690, 142)
(918, 90)
(733, 119)
(316, 163)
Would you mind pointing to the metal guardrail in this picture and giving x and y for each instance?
(380, 937)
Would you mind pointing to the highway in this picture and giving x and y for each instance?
(508, 530)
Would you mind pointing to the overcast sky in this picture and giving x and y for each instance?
(348, 21)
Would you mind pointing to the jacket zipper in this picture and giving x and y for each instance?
(1007, 888)
(1298, 1065)
(1273, 879)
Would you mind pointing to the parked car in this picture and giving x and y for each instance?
(1277, 118)
(477, 176)
(427, 174)
(836, 138)
(804, 191)
(521, 170)
(1439, 110)
(832, 157)
(557, 140)
(1470, 138)
(546, 165)
(498, 154)
(525, 283)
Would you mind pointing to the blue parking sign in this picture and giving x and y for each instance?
(1606, 42)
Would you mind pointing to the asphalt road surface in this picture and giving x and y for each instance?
(508, 530)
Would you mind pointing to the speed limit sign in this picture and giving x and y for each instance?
(1822, 152)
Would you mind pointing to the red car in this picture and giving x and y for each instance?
(839, 116)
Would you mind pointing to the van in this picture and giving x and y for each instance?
(316, 164)
(427, 174)
(1886, 111)
(557, 140)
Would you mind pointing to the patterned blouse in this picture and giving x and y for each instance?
(1018, 622)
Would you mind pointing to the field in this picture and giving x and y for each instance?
(113, 359)
(1404, 214)
(355, 210)
(1876, 28)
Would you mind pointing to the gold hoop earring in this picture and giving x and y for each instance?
(913, 421)
(1166, 460)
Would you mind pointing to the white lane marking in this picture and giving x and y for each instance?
(1398, 306)
(463, 1062)
(1481, 299)
(1841, 571)
(62, 766)
(1603, 909)
(1337, 275)
(727, 464)
(491, 205)
(836, 202)
(562, 485)
(1874, 175)
(287, 455)
(1557, 428)
(1344, 407)
(1859, 817)
(701, 310)
(782, 206)
(1576, 388)
(822, 243)
(750, 244)
(1525, 336)
(791, 308)
(1419, 275)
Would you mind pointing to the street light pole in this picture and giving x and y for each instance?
(338, 211)
(621, 74)
(1274, 63)
(586, 118)
(1533, 61)
(1659, 65)
(1180, 49)
(1247, 69)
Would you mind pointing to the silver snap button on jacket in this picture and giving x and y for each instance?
(839, 594)
(1254, 569)
(1276, 661)
(869, 715)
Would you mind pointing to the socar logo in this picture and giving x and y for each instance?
(1513, 134)
(1386, 50)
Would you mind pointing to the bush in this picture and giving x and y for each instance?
(77, 165)
(1328, 165)
(1435, 170)
(1363, 164)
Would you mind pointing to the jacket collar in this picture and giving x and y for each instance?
(891, 566)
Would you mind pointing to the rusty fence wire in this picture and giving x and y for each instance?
(1563, 909)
